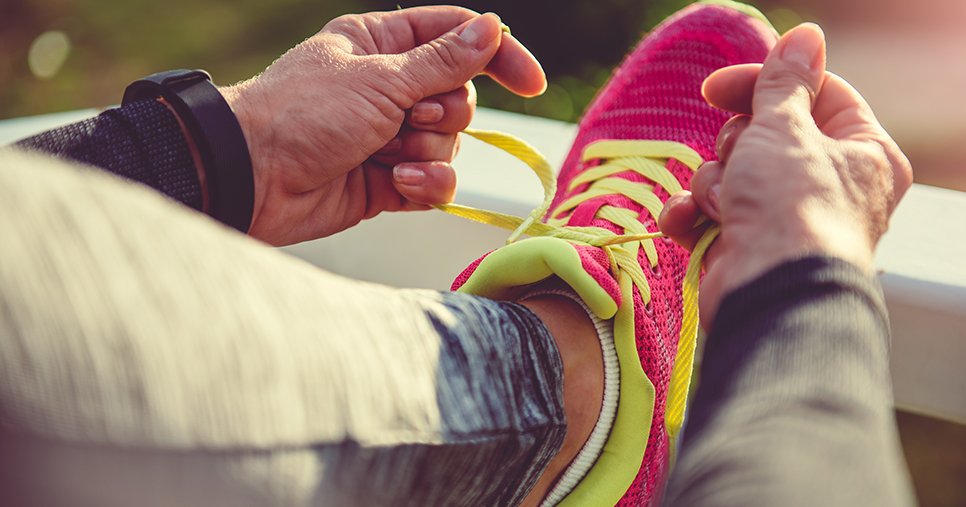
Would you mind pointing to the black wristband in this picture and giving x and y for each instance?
(217, 134)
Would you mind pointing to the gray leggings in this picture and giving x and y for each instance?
(150, 356)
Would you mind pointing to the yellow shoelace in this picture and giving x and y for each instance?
(647, 158)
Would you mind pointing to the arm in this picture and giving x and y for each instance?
(795, 401)
(142, 141)
(359, 119)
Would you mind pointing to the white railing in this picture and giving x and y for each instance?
(921, 260)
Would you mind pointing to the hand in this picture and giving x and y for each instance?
(364, 116)
(810, 172)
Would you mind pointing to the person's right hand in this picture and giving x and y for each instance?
(364, 116)
(810, 172)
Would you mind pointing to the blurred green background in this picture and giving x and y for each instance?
(109, 43)
(60, 55)
(906, 57)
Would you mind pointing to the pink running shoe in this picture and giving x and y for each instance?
(639, 142)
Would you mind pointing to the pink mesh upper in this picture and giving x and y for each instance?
(655, 94)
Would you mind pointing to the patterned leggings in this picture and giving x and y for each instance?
(150, 356)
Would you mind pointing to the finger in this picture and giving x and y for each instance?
(731, 88)
(729, 135)
(432, 29)
(517, 69)
(689, 239)
(418, 146)
(448, 61)
(513, 65)
(791, 79)
(678, 217)
(842, 113)
(705, 187)
(423, 183)
(409, 186)
(381, 194)
(446, 113)
(398, 31)
(679, 214)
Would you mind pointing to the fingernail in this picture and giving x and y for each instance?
(713, 196)
(671, 203)
(723, 136)
(479, 33)
(427, 112)
(393, 147)
(408, 174)
(804, 45)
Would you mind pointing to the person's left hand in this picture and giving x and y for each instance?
(805, 169)
(364, 116)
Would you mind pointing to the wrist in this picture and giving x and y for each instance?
(218, 138)
(748, 252)
(240, 98)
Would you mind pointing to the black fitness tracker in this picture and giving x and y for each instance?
(217, 135)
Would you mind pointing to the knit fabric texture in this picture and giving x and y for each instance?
(656, 95)
(796, 406)
(141, 141)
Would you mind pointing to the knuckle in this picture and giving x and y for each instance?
(447, 54)
(347, 24)
(393, 89)
(788, 81)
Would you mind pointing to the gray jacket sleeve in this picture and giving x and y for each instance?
(141, 141)
(795, 402)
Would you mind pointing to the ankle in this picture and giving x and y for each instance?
(580, 352)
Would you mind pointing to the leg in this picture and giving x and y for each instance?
(580, 351)
(148, 352)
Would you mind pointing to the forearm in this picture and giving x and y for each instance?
(142, 141)
(795, 405)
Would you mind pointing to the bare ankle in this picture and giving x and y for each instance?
(580, 352)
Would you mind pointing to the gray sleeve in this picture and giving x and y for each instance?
(141, 141)
(795, 403)
(152, 357)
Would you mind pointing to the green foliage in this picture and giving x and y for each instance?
(115, 42)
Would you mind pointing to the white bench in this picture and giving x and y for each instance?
(921, 259)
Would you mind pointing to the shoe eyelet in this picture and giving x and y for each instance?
(648, 310)
(657, 271)
(667, 240)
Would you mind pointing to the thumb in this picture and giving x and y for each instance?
(792, 75)
(449, 61)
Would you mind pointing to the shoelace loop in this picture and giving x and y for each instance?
(649, 159)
